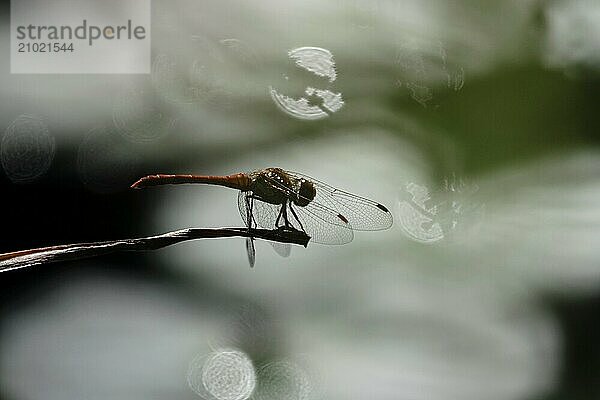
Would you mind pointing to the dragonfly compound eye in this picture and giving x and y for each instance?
(306, 194)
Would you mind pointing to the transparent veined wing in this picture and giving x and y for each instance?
(243, 206)
(263, 215)
(283, 249)
(324, 225)
(251, 251)
(362, 214)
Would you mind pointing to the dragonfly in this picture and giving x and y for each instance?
(274, 198)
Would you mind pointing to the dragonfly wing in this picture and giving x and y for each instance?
(251, 251)
(283, 249)
(362, 214)
(265, 215)
(243, 206)
(323, 224)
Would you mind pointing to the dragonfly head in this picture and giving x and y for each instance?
(306, 193)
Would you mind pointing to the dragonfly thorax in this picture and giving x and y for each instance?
(275, 186)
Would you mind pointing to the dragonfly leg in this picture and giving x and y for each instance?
(279, 217)
(250, 221)
(285, 217)
(296, 216)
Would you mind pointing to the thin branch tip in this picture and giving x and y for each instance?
(77, 251)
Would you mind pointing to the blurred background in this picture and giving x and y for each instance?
(475, 122)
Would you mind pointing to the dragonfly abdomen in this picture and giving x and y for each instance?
(236, 181)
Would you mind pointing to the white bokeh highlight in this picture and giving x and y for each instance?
(319, 62)
(284, 380)
(225, 374)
